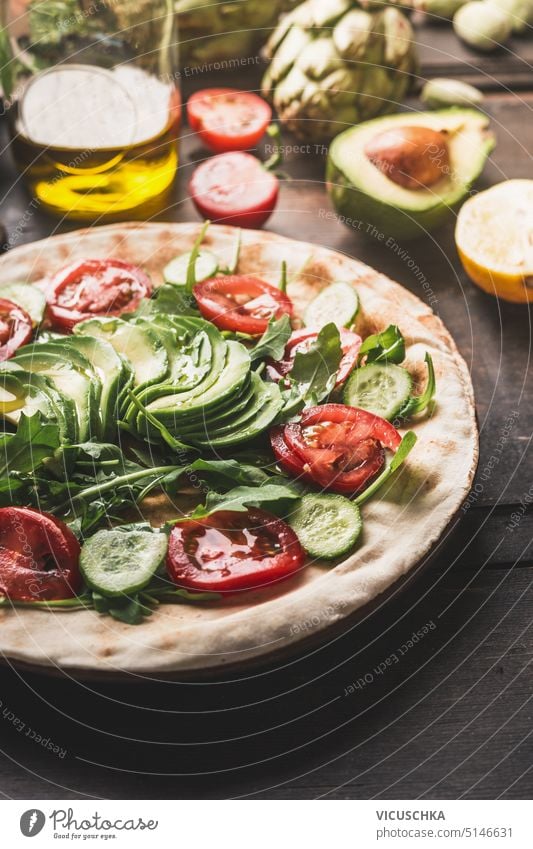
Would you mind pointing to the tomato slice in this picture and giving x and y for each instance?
(231, 552)
(234, 188)
(228, 119)
(301, 340)
(339, 448)
(95, 287)
(240, 302)
(15, 328)
(38, 556)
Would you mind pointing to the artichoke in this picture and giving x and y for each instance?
(212, 31)
(335, 63)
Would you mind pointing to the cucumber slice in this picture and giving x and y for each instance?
(380, 388)
(326, 525)
(119, 562)
(206, 265)
(337, 303)
(29, 297)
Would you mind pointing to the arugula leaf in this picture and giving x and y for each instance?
(75, 603)
(385, 347)
(35, 440)
(224, 474)
(273, 341)
(165, 434)
(270, 496)
(191, 267)
(169, 299)
(282, 286)
(313, 373)
(234, 262)
(402, 451)
(129, 610)
(418, 403)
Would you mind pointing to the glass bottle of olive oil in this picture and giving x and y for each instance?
(94, 105)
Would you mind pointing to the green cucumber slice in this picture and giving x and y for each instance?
(382, 389)
(119, 562)
(175, 271)
(337, 303)
(327, 526)
(29, 297)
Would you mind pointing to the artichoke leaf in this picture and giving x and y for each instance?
(324, 13)
(289, 52)
(398, 37)
(319, 59)
(353, 33)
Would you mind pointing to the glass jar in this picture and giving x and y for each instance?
(92, 98)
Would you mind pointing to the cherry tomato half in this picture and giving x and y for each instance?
(339, 448)
(15, 328)
(234, 188)
(38, 556)
(301, 340)
(240, 302)
(95, 287)
(230, 552)
(228, 119)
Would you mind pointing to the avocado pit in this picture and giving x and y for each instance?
(410, 156)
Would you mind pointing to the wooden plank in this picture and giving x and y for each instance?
(450, 716)
(443, 54)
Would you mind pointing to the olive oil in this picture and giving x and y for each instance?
(93, 142)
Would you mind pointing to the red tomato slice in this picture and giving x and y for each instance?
(228, 119)
(95, 287)
(234, 188)
(337, 447)
(38, 556)
(301, 340)
(239, 302)
(231, 552)
(15, 328)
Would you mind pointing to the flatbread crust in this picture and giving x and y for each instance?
(400, 525)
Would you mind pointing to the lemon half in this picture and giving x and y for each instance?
(494, 239)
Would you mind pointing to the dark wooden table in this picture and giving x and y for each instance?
(453, 717)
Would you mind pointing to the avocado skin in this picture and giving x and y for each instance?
(365, 213)
(372, 217)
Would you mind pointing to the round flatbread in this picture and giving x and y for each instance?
(401, 523)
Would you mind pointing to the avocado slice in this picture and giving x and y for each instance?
(175, 410)
(268, 403)
(40, 396)
(139, 345)
(364, 186)
(189, 352)
(113, 371)
(70, 380)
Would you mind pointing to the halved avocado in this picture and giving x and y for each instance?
(405, 174)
